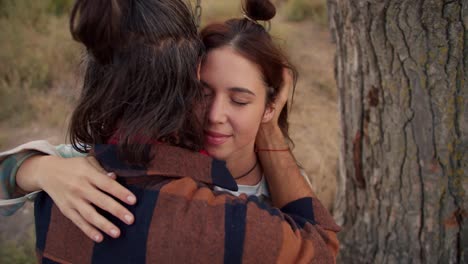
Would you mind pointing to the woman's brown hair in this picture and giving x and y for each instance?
(250, 39)
(140, 83)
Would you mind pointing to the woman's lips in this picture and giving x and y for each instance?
(214, 138)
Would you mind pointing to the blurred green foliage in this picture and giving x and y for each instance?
(298, 10)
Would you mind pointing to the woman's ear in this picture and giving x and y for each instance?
(269, 113)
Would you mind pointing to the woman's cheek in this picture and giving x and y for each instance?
(247, 126)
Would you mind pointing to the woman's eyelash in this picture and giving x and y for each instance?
(239, 103)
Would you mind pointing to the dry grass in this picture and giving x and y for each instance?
(299, 10)
(218, 10)
(3, 138)
(38, 61)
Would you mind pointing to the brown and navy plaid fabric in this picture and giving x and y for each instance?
(180, 219)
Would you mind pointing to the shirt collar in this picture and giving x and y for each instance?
(169, 161)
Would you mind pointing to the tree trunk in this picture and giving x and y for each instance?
(401, 69)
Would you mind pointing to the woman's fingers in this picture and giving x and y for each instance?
(112, 187)
(91, 216)
(281, 98)
(284, 92)
(108, 204)
(77, 184)
(100, 194)
(83, 225)
(80, 200)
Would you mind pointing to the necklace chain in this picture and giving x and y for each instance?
(249, 171)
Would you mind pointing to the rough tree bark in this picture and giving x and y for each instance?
(401, 70)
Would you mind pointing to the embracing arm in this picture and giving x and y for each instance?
(11, 161)
(283, 175)
(287, 185)
(10, 197)
(290, 191)
(27, 172)
(75, 183)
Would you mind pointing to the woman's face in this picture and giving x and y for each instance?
(236, 94)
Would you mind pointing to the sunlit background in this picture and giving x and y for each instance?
(39, 84)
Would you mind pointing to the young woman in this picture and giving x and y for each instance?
(246, 79)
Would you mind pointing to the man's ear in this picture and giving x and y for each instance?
(269, 113)
(198, 71)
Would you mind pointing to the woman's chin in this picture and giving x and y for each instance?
(216, 154)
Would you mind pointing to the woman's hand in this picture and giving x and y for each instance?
(282, 97)
(269, 133)
(283, 176)
(75, 184)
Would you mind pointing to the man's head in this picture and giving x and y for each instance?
(141, 81)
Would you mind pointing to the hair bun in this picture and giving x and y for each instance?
(262, 10)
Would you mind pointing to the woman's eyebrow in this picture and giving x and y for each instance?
(241, 90)
(231, 89)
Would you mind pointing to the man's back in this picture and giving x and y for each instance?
(179, 219)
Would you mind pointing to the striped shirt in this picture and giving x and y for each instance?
(180, 219)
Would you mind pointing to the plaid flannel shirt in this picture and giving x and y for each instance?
(180, 219)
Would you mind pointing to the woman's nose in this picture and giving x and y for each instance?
(216, 111)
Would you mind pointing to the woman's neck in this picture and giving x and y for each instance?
(239, 165)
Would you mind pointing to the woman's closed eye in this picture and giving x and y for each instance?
(239, 102)
(241, 96)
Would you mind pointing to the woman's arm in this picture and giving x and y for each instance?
(10, 199)
(289, 189)
(283, 175)
(285, 181)
(75, 184)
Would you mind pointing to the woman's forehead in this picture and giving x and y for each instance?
(227, 65)
(226, 54)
